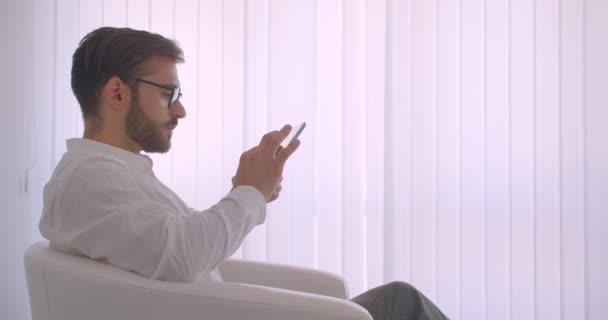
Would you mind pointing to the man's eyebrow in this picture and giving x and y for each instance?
(147, 73)
(167, 85)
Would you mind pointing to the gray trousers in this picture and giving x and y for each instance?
(398, 301)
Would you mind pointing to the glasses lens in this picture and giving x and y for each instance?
(175, 96)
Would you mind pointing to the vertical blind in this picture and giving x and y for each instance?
(459, 145)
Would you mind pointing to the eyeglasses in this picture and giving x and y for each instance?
(176, 93)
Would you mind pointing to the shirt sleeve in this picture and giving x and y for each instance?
(108, 217)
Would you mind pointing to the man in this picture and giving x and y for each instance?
(104, 202)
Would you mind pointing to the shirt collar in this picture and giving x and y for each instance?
(135, 161)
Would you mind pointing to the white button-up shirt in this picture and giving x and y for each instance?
(105, 203)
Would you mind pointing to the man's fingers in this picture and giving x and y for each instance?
(276, 192)
(272, 140)
(285, 153)
(273, 197)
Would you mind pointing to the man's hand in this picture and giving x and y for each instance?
(277, 191)
(262, 166)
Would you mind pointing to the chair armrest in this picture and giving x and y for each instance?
(79, 288)
(86, 296)
(243, 301)
(284, 277)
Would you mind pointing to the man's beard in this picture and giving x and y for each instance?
(147, 134)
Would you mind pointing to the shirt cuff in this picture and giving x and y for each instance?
(252, 199)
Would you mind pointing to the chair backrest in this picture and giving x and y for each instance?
(67, 287)
(55, 280)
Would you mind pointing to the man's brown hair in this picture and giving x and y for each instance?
(108, 52)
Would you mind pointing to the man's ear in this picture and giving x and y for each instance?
(116, 93)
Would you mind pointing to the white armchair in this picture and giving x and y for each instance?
(67, 287)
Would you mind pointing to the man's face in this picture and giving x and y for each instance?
(150, 122)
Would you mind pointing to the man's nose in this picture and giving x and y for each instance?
(178, 110)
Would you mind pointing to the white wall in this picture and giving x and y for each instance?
(458, 145)
(20, 209)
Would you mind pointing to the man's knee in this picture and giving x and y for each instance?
(401, 286)
(411, 301)
(402, 289)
